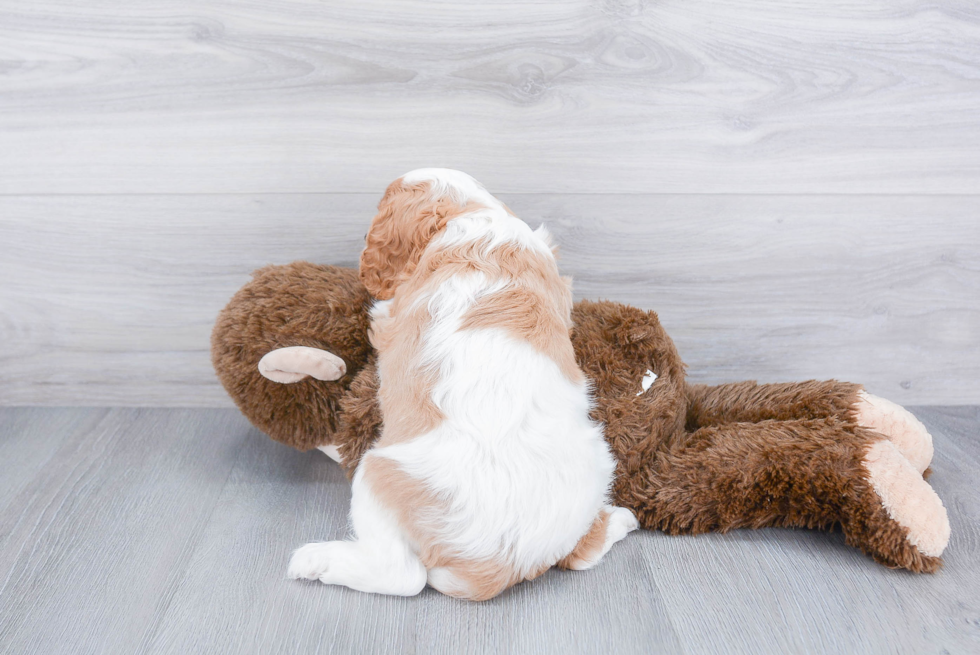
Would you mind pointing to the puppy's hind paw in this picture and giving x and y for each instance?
(620, 523)
(309, 562)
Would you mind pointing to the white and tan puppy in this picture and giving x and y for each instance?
(488, 470)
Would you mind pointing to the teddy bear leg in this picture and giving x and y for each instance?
(749, 402)
(910, 502)
(899, 425)
(802, 473)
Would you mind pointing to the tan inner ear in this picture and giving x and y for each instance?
(295, 363)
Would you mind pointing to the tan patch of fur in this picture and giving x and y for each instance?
(406, 397)
(536, 309)
(899, 425)
(908, 499)
(589, 546)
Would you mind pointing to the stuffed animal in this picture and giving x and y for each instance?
(291, 348)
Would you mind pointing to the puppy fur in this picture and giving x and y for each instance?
(488, 470)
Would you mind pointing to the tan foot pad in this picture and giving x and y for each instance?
(899, 425)
(908, 499)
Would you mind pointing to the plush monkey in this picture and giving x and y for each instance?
(292, 350)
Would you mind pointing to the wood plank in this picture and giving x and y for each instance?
(782, 591)
(235, 598)
(110, 299)
(168, 531)
(94, 545)
(30, 437)
(548, 96)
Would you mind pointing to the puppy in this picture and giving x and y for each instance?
(488, 470)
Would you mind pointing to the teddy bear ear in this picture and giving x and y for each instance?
(640, 334)
(295, 363)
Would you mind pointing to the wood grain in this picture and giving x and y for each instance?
(616, 96)
(94, 545)
(110, 299)
(168, 531)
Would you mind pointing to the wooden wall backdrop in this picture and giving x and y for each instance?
(793, 185)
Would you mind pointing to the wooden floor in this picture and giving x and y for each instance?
(168, 531)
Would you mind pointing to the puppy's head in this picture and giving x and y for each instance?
(409, 217)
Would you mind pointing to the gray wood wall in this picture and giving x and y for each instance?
(794, 186)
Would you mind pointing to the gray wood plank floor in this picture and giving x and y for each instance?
(168, 531)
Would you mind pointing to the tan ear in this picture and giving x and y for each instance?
(385, 252)
(408, 219)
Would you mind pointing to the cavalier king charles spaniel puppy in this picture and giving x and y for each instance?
(488, 470)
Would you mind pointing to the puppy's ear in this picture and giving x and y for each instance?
(384, 255)
(408, 218)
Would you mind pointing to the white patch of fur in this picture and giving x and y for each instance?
(496, 227)
(526, 469)
(648, 379)
(380, 309)
(457, 185)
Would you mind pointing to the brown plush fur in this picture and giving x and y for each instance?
(691, 458)
(299, 304)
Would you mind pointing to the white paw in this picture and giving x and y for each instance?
(310, 562)
(620, 523)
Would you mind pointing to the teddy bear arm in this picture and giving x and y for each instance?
(359, 417)
(741, 402)
(812, 473)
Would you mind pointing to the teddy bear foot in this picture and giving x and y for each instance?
(295, 363)
(918, 530)
(899, 425)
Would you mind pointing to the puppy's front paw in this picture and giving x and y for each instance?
(309, 562)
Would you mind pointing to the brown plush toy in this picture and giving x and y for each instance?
(292, 350)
